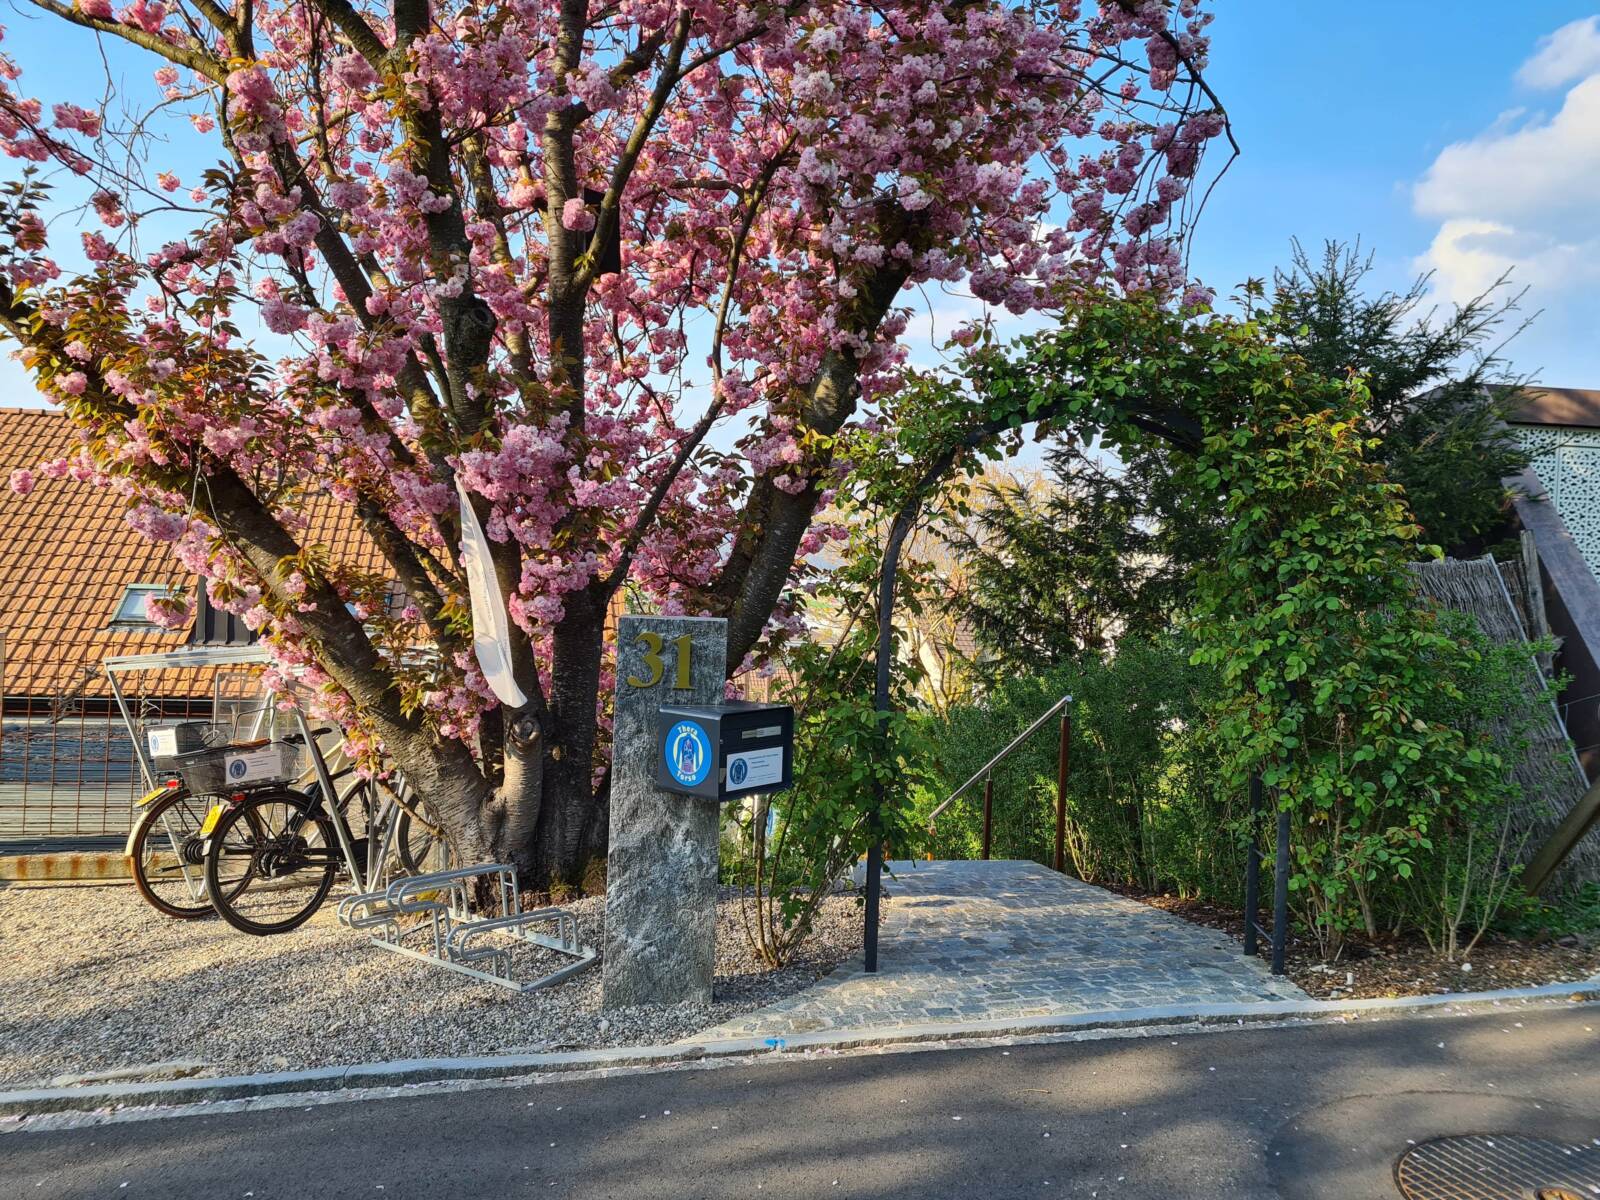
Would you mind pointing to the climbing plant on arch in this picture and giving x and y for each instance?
(1330, 667)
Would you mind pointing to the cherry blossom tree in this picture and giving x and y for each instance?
(621, 272)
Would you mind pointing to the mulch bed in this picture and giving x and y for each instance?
(1390, 967)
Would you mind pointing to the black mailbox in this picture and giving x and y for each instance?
(724, 751)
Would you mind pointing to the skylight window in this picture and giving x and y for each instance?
(131, 612)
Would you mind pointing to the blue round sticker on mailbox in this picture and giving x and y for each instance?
(688, 753)
(739, 772)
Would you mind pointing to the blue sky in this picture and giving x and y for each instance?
(1343, 109)
(1468, 142)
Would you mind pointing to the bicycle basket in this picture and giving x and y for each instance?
(223, 769)
(186, 737)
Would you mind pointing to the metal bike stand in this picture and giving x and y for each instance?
(455, 936)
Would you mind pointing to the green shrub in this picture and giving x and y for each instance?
(1468, 869)
(1317, 669)
(1340, 688)
(854, 773)
(1150, 802)
(1576, 912)
(1142, 803)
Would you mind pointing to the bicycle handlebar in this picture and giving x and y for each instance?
(296, 739)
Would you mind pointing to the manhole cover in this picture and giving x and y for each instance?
(1498, 1167)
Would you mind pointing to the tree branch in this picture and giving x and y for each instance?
(774, 521)
(658, 494)
(606, 223)
(183, 56)
(248, 526)
(361, 36)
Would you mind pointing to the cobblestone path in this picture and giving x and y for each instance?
(973, 941)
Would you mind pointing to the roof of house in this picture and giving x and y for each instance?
(67, 554)
(1578, 407)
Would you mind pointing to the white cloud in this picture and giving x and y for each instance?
(1468, 256)
(1512, 173)
(1571, 52)
(1521, 194)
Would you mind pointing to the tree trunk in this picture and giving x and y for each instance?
(444, 776)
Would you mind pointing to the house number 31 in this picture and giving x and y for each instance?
(653, 646)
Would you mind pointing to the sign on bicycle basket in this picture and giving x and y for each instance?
(258, 766)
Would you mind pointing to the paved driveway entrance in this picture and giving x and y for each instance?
(975, 941)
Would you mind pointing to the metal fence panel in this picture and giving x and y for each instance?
(67, 766)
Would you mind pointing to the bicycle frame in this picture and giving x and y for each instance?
(383, 820)
(334, 811)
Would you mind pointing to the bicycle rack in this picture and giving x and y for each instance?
(455, 936)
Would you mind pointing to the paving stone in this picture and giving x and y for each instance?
(964, 941)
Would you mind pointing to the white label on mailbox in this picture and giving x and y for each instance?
(755, 768)
(163, 742)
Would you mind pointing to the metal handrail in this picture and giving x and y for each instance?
(995, 761)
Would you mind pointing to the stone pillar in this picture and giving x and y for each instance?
(661, 868)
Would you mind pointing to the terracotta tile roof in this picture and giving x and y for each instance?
(1558, 406)
(66, 556)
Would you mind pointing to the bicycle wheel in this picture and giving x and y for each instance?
(270, 862)
(422, 846)
(166, 855)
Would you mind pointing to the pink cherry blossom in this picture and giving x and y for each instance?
(70, 116)
(283, 317)
(575, 215)
(169, 612)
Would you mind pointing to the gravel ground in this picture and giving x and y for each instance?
(93, 980)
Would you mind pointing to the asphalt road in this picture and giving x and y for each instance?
(1302, 1113)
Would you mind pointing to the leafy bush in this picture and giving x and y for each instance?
(1150, 802)
(1576, 912)
(854, 775)
(1316, 668)
(1349, 698)
(1467, 870)
(1340, 688)
(1142, 803)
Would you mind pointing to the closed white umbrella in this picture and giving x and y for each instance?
(491, 627)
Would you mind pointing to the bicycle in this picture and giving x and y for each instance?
(166, 848)
(165, 851)
(272, 855)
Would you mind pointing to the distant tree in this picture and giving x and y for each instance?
(1063, 564)
(1438, 385)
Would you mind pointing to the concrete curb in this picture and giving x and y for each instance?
(405, 1072)
(68, 866)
